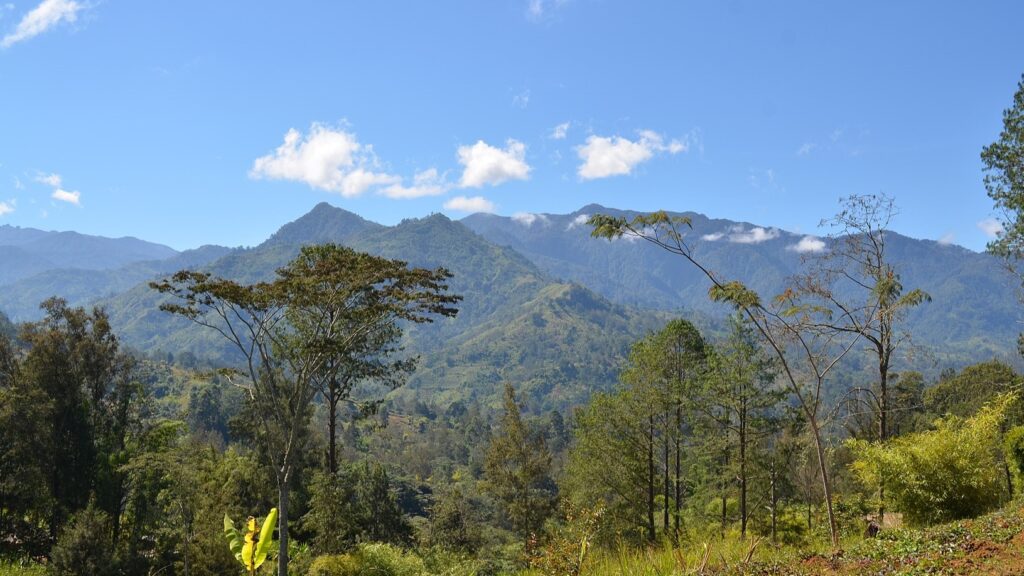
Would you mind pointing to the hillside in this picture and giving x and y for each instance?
(515, 322)
(545, 303)
(974, 314)
(20, 299)
(28, 251)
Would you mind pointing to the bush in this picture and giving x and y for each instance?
(370, 560)
(84, 548)
(1013, 446)
(945, 474)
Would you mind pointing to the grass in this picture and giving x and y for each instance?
(15, 569)
(990, 545)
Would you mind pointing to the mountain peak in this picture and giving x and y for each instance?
(324, 223)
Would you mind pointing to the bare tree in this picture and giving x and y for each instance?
(861, 289)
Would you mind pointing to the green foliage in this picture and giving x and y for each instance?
(356, 504)
(566, 549)
(944, 474)
(84, 548)
(1004, 177)
(518, 472)
(370, 560)
(964, 393)
(254, 542)
(1013, 448)
(451, 527)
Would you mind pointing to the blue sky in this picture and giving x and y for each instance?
(189, 123)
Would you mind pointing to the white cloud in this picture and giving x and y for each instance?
(72, 197)
(6, 207)
(762, 178)
(539, 9)
(49, 179)
(578, 221)
(808, 244)
(806, 148)
(527, 218)
(616, 156)
(947, 239)
(560, 131)
(521, 100)
(470, 204)
(485, 164)
(59, 193)
(755, 235)
(48, 14)
(17, 184)
(326, 159)
(425, 183)
(713, 237)
(991, 227)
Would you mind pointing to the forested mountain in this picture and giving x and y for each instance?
(544, 303)
(80, 286)
(515, 322)
(28, 251)
(973, 314)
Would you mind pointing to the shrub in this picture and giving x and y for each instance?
(84, 548)
(1013, 446)
(370, 560)
(945, 474)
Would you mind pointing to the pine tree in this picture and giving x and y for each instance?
(518, 472)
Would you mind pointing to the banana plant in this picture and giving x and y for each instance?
(252, 546)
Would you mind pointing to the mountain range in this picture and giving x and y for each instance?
(545, 305)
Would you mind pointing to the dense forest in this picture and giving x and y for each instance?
(320, 410)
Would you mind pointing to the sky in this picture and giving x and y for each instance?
(191, 123)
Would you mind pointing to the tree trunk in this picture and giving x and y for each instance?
(743, 483)
(665, 511)
(743, 468)
(678, 486)
(332, 426)
(725, 503)
(650, 480)
(282, 524)
(774, 502)
(883, 427)
(826, 484)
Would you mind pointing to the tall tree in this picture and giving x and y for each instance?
(855, 276)
(368, 352)
(742, 398)
(1004, 181)
(74, 366)
(287, 331)
(788, 326)
(629, 445)
(517, 471)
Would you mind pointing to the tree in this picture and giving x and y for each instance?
(288, 330)
(612, 464)
(861, 289)
(665, 368)
(741, 398)
(1004, 178)
(789, 326)
(517, 472)
(629, 444)
(74, 367)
